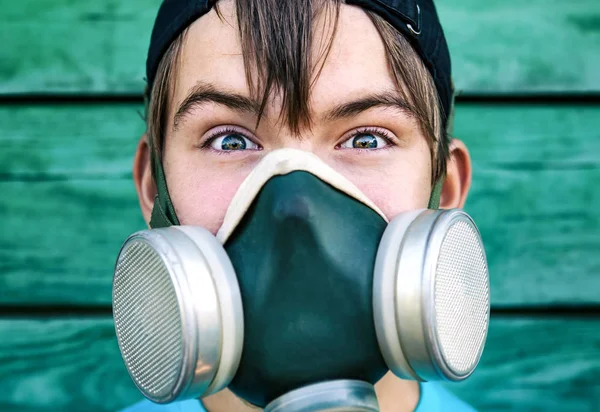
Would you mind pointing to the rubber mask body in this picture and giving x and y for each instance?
(304, 255)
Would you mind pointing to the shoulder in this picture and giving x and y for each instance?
(190, 405)
(434, 397)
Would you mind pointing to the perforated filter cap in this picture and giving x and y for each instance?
(431, 295)
(461, 298)
(147, 319)
(177, 313)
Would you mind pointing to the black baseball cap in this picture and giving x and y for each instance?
(417, 20)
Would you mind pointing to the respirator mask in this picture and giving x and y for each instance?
(305, 298)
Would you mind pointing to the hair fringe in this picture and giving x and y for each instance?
(277, 62)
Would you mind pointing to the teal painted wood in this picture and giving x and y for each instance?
(68, 200)
(535, 188)
(62, 365)
(99, 139)
(66, 46)
(61, 238)
(523, 46)
(75, 365)
(541, 364)
(497, 46)
(70, 141)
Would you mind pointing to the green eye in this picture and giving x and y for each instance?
(365, 141)
(232, 142)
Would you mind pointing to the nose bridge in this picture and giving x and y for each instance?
(304, 140)
(282, 136)
(280, 127)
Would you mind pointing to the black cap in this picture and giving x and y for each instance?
(417, 20)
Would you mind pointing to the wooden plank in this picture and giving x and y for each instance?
(100, 139)
(537, 365)
(62, 364)
(61, 239)
(68, 206)
(516, 47)
(497, 46)
(535, 178)
(74, 364)
(57, 142)
(66, 46)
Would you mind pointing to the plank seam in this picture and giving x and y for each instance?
(21, 311)
(544, 98)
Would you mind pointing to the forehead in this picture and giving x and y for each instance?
(355, 65)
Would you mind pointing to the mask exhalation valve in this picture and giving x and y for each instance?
(332, 396)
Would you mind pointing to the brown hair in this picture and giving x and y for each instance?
(277, 59)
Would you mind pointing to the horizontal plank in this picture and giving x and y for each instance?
(537, 365)
(67, 46)
(497, 46)
(54, 142)
(63, 364)
(74, 364)
(535, 179)
(515, 46)
(61, 238)
(68, 206)
(99, 140)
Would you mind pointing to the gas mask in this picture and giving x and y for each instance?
(305, 298)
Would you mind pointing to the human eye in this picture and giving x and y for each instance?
(367, 138)
(229, 140)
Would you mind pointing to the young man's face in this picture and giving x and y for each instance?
(214, 147)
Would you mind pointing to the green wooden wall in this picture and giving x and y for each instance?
(71, 75)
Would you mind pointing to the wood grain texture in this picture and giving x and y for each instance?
(69, 202)
(74, 364)
(61, 239)
(70, 141)
(537, 365)
(74, 46)
(62, 365)
(534, 192)
(514, 46)
(497, 46)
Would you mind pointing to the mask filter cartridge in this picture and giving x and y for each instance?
(177, 312)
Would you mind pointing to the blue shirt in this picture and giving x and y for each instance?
(434, 398)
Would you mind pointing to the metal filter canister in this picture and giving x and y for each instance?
(431, 295)
(178, 313)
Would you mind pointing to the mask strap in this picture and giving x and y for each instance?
(163, 212)
(436, 192)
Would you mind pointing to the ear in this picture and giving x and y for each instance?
(142, 176)
(458, 177)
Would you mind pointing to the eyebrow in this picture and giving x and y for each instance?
(204, 93)
(355, 107)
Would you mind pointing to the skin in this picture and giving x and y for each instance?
(202, 179)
